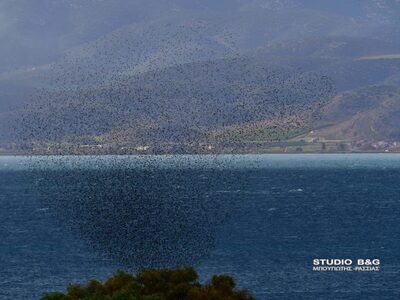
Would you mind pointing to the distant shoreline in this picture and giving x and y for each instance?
(198, 154)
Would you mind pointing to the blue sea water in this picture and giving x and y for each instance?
(261, 218)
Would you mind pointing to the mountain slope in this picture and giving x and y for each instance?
(371, 114)
(177, 103)
(138, 72)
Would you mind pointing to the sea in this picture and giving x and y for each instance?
(266, 220)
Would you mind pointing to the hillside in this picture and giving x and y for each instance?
(131, 74)
(370, 114)
(175, 104)
(268, 95)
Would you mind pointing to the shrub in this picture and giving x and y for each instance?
(164, 284)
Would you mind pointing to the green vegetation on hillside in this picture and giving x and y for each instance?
(383, 56)
(181, 283)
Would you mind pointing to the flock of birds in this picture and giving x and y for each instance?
(134, 88)
(139, 212)
(140, 86)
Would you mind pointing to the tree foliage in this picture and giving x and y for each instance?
(152, 284)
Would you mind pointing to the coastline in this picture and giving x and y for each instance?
(199, 154)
